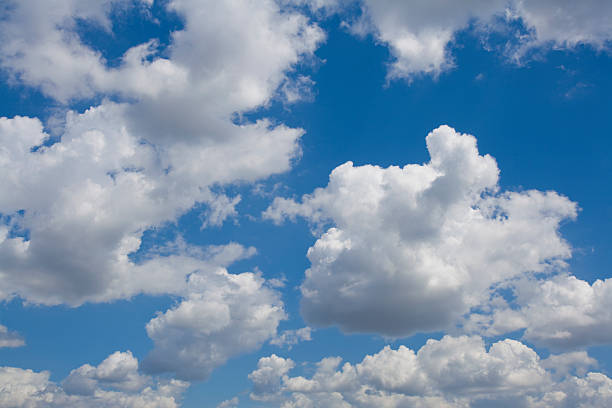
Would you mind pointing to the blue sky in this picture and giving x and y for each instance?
(179, 225)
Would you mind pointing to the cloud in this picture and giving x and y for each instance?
(267, 378)
(10, 338)
(565, 24)
(222, 315)
(113, 383)
(43, 49)
(562, 312)
(292, 337)
(230, 403)
(413, 248)
(79, 201)
(451, 372)
(419, 34)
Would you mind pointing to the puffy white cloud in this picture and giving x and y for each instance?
(561, 312)
(222, 315)
(419, 33)
(119, 370)
(10, 338)
(113, 383)
(85, 202)
(292, 337)
(451, 372)
(80, 205)
(267, 378)
(41, 48)
(413, 248)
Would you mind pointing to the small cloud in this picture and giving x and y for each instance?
(290, 338)
(219, 209)
(577, 90)
(230, 403)
(277, 282)
(10, 338)
(479, 77)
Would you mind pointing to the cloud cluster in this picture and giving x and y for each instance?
(419, 33)
(451, 372)
(78, 201)
(413, 248)
(115, 382)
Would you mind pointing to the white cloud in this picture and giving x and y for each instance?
(113, 383)
(566, 23)
(267, 378)
(221, 316)
(122, 168)
(451, 372)
(41, 48)
(119, 370)
(88, 199)
(562, 365)
(292, 337)
(420, 33)
(230, 403)
(413, 248)
(561, 312)
(10, 338)
(221, 208)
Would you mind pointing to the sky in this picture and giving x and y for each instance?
(305, 203)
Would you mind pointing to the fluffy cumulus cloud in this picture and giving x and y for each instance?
(267, 378)
(115, 382)
(560, 313)
(413, 248)
(419, 33)
(75, 203)
(451, 372)
(221, 315)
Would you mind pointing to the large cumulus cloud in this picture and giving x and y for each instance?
(76, 200)
(413, 248)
